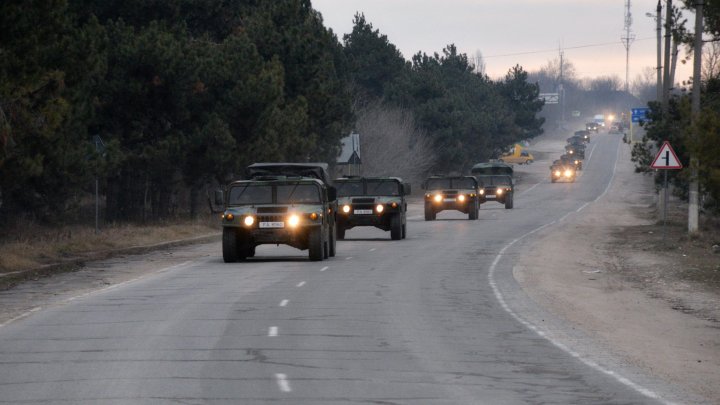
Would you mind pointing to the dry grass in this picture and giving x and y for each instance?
(30, 245)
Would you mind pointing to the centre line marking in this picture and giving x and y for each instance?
(324, 268)
(273, 331)
(372, 250)
(283, 383)
(283, 303)
(300, 284)
(348, 258)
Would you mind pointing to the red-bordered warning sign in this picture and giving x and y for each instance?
(666, 158)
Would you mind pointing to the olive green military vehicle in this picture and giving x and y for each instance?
(573, 160)
(280, 203)
(497, 188)
(575, 150)
(372, 201)
(560, 171)
(491, 168)
(451, 193)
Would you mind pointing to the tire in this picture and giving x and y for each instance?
(509, 202)
(473, 214)
(429, 213)
(316, 247)
(251, 251)
(326, 244)
(396, 227)
(404, 231)
(230, 245)
(340, 232)
(333, 240)
(553, 180)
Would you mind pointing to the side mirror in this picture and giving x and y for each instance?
(332, 193)
(219, 198)
(406, 189)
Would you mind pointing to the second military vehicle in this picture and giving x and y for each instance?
(560, 171)
(451, 193)
(496, 188)
(372, 201)
(488, 168)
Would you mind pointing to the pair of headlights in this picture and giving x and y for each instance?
(378, 208)
(293, 220)
(566, 173)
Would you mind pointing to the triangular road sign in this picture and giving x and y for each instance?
(666, 158)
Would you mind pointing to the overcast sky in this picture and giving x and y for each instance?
(532, 30)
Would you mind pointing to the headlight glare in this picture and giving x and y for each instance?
(461, 198)
(499, 191)
(438, 197)
(558, 173)
(568, 173)
(379, 208)
(293, 220)
(346, 208)
(249, 220)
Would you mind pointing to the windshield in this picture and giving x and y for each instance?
(250, 194)
(298, 193)
(494, 181)
(464, 183)
(349, 188)
(492, 170)
(379, 187)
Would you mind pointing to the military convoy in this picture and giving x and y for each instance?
(566, 168)
(372, 201)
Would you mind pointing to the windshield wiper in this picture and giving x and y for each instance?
(289, 198)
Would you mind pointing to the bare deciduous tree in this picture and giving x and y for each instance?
(644, 86)
(711, 61)
(392, 145)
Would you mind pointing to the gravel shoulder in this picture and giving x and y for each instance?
(625, 287)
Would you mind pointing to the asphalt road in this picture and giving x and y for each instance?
(425, 320)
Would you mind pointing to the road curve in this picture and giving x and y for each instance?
(427, 320)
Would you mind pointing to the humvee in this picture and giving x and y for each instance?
(488, 168)
(451, 193)
(561, 171)
(575, 150)
(372, 201)
(496, 188)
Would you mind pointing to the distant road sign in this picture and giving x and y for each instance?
(639, 114)
(549, 98)
(575, 113)
(666, 158)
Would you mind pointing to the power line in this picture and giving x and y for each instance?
(555, 50)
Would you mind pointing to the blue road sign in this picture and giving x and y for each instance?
(639, 114)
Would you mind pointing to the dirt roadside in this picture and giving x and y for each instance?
(655, 304)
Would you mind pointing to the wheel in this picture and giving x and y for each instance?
(340, 232)
(509, 202)
(429, 213)
(326, 244)
(529, 161)
(473, 214)
(404, 231)
(553, 180)
(251, 251)
(229, 245)
(243, 246)
(316, 246)
(333, 240)
(396, 227)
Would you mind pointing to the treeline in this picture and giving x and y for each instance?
(699, 138)
(184, 94)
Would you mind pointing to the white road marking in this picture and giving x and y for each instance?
(371, 250)
(591, 151)
(525, 191)
(348, 258)
(501, 299)
(273, 331)
(582, 207)
(617, 157)
(283, 382)
(284, 303)
(324, 268)
(300, 284)
(21, 316)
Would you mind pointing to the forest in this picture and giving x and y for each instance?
(160, 101)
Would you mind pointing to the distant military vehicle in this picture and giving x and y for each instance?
(451, 193)
(560, 171)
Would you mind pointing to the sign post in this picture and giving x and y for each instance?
(665, 160)
(638, 115)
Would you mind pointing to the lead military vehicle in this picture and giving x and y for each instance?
(372, 201)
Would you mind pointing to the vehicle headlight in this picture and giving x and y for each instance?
(499, 191)
(346, 208)
(293, 220)
(557, 173)
(437, 198)
(482, 191)
(379, 208)
(229, 217)
(577, 162)
(568, 173)
(571, 152)
(249, 220)
(461, 198)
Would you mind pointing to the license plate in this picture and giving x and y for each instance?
(362, 212)
(490, 196)
(272, 224)
(449, 200)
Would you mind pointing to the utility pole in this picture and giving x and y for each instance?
(666, 65)
(695, 108)
(658, 18)
(561, 89)
(627, 40)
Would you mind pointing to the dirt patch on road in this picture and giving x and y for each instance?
(654, 301)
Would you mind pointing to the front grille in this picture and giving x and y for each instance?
(450, 192)
(363, 200)
(363, 206)
(271, 218)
